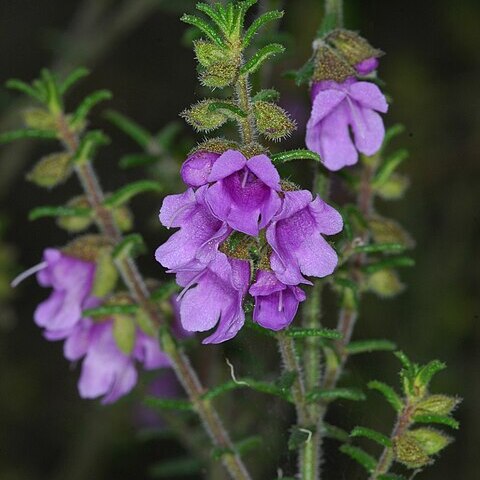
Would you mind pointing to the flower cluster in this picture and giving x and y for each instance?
(343, 106)
(242, 230)
(107, 371)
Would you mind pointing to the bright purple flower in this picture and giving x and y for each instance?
(72, 281)
(367, 66)
(214, 295)
(338, 107)
(200, 232)
(106, 370)
(295, 236)
(197, 167)
(245, 191)
(275, 303)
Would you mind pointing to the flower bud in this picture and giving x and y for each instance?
(200, 117)
(431, 440)
(385, 230)
(330, 66)
(394, 188)
(353, 47)
(39, 119)
(409, 452)
(75, 224)
(219, 74)
(51, 170)
(87, 247)
(124, 332)
(215, 145)
(208, 53)
(272, 121)
(106, 274)
(123, 218)
(437, 405)
(385, 283)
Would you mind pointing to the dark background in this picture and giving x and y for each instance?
(134, 49)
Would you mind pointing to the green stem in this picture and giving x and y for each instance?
(134, 281)
(335, 7)
(247, 125)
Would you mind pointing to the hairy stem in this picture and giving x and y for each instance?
(133, 279)
(335, 7)
(247, 125)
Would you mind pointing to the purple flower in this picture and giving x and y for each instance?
(197, 167)
(275, 303)
(295, 236)
(72, 281)
(106, 370)
(214, 295)
(367, 66)
(199, 235)
(245, 191)
(338, 107)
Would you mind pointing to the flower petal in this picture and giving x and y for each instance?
(263, 168)
(176, 208)
(230, 162)
(147, 350)
(197, 167)
(328, 220)
(369, 96)
(324, 103)
(368, 131)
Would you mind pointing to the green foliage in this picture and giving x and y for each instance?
(130, 246)
(267, 95)
(367, 346)
(106, 311)
(165, 291)
(439, 419)
(88, 146)
(126, 193)
(73, 78)
(7, 137)
(389, 393)
(388, 167)
(320, 394)
(51, 170)
(260, 57)
(106, 275)
(300, 154)
(26, 89)
(202, 119)
(273, 122)
(124, 332)
(86, 106)
(177, 467)
(371, 435)
(360, 456)
(131, 128)
(168, 403)
(380, 248)
(299, 332)
(299, 436)
(258, 23)
(61, 211)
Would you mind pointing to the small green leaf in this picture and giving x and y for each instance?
(259, 23)
(367, 346)
(176, 467)
(73, 78)
(47, 211)
(86, 106)
(229, 109)
(26, 89)
(13, 135)
(298, 332)
(380, 248)
(260, 57)
(130, 246)
(335, 394)
(300, 154)
(126, 193)
(360, 456)
(166, 136)
(262, 387)
(372, 435)
(391, 133)
(426, 373)
(286, 380)
(89, 145)
(248, 444)
(53, 98)
(440, 419)
(131, 128)
(204, 27)
(137, 160)
(389, 393)
(110, 310)
(213, 14)
(168, 403)
(394, 262)
(336, 433)
(268, 95)
(299, 436)
(388, 167)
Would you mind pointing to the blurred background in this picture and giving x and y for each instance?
(137, 49)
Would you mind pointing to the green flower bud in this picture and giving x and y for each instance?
(219, 75)
(87, 247)
(272, 121)
(215, 145)
(144, 322)
(200, 117)
(106, 274)
(39, 118)
(352, 46)
(328, 65)
(409, 451)
(431, 440)
(252, 149)
(385, 230)
(394, 188)
(74, 224)
(123, 218)
(208, 53)
(124, 332)
(385, 283)
(437, 405)
(51, 170)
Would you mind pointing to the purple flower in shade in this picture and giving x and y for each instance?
(367, 66)
(295, 236)
(338, 107)
(214, 295)
(197, 167)
(72, 280)
(245, 191)
(275, 303)
(106, 370)
(199, 235)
